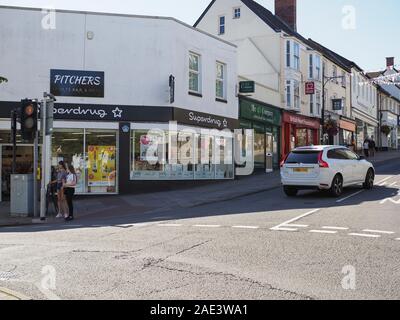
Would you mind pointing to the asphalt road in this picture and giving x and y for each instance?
(264, 246)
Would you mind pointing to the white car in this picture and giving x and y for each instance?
(325, 168)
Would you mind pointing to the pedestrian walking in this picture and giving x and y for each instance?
(61, 179)
(69, 191)
(372, 147)
(366, 148)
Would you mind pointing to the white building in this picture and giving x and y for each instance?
(364, 106)
(116, 77)
(388, 82)
(277, 58)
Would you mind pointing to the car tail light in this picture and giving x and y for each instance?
(322, 163)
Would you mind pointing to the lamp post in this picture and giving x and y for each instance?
(325, 81)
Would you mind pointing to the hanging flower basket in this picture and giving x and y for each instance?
(386, 129)
(331, 128)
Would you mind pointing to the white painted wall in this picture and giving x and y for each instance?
(364, 96)
(136, 53)
(259, 47)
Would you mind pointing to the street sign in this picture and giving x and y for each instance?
(337, 104)
(310, 87)
(247, 87)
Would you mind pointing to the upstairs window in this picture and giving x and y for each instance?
(318, 67)
(318, 104)
(236, 13)
(296, 56)
(288, 54)
(221, 29)
(311, 67)
(288, 94)
(343, 79)
(194, 73)
(335, 74)
(221, 81)
(312, 97)
(296, 95)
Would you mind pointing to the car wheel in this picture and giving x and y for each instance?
(369, 180)
(290, 191)
(337, 186)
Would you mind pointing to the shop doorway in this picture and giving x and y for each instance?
(24, 165)
(269, 152)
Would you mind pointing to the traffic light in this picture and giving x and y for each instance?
(29, 119)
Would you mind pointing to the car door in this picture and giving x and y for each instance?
(353, 168)
(360, 169)
(348, 166)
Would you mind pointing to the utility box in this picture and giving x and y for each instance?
(21, 195)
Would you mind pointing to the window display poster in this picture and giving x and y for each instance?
(101, 166)
(149, 148)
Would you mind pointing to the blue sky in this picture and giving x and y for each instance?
(372, 37)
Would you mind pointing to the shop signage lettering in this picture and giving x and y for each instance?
(310, 88)
(75, 83)
(204, 119)
(209, 120)
(80, 111)
(258, 112)
(301, 121)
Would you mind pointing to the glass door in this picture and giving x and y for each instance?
(269, 152)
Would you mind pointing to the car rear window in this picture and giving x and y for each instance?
(307, 157)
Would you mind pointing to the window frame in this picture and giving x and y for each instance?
(235, 16)
(288, 93)
(197, 72)
(296, 97)
(288, 54)
(223, 80)
(311, 66)
(296, 58)
(221, 26)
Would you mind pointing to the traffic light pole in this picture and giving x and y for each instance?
(44, 162)
(35, 175)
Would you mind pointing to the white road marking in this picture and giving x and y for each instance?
(393, 184)
(170, 225)
(378, 231)
(299, 225)
(350, 196)
(287, 223)
(335, 228)
(398, 239)
(323, 231)
(284, 229)
(387, 178)
(206, 226)
(365, 235)
(245, 227)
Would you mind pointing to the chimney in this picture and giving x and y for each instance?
(390, 62)
(287, 11)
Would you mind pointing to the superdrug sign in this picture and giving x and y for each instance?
(74, 83)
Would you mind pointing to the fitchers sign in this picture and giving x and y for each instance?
(75, 83)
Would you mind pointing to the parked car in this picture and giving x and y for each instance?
(325, 168)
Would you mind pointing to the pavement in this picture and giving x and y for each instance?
(259, 246)
(127, 205)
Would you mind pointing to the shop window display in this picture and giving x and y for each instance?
(184, 155)
(93, 153)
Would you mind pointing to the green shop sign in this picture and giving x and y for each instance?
(258, 112)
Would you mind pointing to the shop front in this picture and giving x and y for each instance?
(389, 130)
(299, 131)
(265, 120)
(347, 130)
(366, 127)
(123, 149)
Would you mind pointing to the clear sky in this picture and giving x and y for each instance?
(365, 31)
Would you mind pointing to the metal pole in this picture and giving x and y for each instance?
(44, 151)
(323, 108)
(35, 174)
(14, 140)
